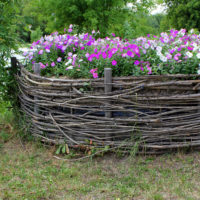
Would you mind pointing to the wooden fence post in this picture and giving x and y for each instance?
(37, 70)
(108, 86)
(13, 63)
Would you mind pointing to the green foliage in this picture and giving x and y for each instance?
(184, 13)
(104, 15)
(107, 16)
(8, 41)
(36, 34)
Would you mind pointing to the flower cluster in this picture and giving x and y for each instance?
(85, 55)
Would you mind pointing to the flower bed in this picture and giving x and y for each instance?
(83, 56)
(157, 112)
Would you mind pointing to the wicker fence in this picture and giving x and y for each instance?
(157, 113)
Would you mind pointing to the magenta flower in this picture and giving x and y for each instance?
(70, 30)
(190, 48)
(47, 49)
(110, 55)
(137, 62)
(40, 52)
(114, 62)
(95, 75)
(93, 70)
(90, 58)
(113, 34)
(42, 66)
(172, 51)
(53, 64)
(130, 53)
(104, 55)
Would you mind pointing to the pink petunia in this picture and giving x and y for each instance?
(95, 75)
(114, 62)
(59, 59)
(53, 64)
(40, 52)
(104, 55)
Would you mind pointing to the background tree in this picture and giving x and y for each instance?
(104, 15)
(183, 13)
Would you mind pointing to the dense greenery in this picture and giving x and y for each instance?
(8, 41)
(184, 13)
(107, 16)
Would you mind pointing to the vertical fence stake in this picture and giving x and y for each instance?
(108, 86)
(37, 70)
(13, 63)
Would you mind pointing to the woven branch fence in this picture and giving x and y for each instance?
(158, 113)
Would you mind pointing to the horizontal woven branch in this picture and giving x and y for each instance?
(156, 112)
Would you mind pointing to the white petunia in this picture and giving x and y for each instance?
(198, 55)
(189, 54)
(146, 46)
(68, 62)
(158, 53)
(70, 67)
(159, 48)
(163, 58)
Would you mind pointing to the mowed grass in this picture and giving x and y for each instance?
(29, 171)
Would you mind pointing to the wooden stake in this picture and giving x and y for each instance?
(108, 86)
(37, 70)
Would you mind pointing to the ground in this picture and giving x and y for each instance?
(28, 170)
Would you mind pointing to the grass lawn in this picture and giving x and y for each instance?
(29, 171)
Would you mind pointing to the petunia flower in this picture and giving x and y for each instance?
(70, 54)
(137, 62)
(40, 52)
(114, 62)
(70, 67)
(53, 64)
(59, 59)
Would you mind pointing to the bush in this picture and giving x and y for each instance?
(8, 43)
(36, 34)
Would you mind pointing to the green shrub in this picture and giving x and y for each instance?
(36, 34)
